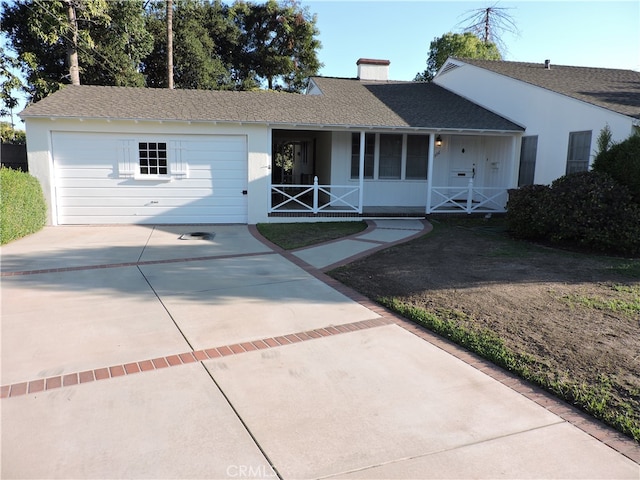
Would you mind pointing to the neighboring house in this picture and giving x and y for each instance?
(563, 108)
(349, 148)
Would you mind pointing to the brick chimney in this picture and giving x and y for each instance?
(372, 69)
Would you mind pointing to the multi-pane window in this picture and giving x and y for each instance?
(369, 149)
(417, 156)
(385, 155)
(528, 152)
(390, 156)
(153, 158)
(578, 155)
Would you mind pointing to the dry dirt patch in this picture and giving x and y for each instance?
(576, 315)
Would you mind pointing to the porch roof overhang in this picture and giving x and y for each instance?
(400, 129)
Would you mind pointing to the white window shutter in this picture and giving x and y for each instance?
(178, 162)
(127, 158)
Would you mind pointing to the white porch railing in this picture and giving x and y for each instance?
(315, 198)
(470, 199)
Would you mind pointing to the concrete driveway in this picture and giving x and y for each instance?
(130, 353)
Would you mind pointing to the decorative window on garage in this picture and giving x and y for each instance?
(153, 158)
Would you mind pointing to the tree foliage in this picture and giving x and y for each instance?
(464, 45)
(277, 43)
(8, 134)
(203, 35)
(240, 46)
(119, 46)
(40, 33)
(11, 83)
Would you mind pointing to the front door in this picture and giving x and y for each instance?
(464, 160)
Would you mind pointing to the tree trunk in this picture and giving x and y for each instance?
(170, 43)
(72, 46)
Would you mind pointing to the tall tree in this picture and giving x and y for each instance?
(72, 42)
(278, 44)
(110, 44)
(169, 21)
(120, 46)
(465, 45)
(202, 32)
(124, 42)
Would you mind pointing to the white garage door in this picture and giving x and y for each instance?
(142, 178)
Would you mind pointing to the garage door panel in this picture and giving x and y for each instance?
(127, 185)
(164, 211)
(90, 188)
(133, 193)
(173, 202)
(84, 173)
(144, 220)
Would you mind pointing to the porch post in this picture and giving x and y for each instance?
(515, 159)
(430, 157)
(315, 194)
(361, 174)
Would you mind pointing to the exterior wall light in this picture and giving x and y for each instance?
(438, 141)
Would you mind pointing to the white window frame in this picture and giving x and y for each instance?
(369, 159)
(375, 158)
(527, 162)
(158, 159)
(425, 159)
(581, 150)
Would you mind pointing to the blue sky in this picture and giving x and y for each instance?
(583, 33)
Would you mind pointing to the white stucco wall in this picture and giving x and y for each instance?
(547, 114)
(39, 151)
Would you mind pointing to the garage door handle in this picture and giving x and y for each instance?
(244, 192)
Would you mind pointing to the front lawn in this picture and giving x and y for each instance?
(297, 235)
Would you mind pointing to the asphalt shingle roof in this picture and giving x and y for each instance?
(613, 89)
(344, 102)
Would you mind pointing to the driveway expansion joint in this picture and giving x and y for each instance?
(174, 360)
(132, 264)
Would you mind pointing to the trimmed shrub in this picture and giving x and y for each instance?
(588, 210)
(23, 210)
(527, 211)
(622, 162)
(594, 211)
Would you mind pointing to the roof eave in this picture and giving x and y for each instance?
(296, 125)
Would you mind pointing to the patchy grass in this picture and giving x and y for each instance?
(297, 235)
(626, 301)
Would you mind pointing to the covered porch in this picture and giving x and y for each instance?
(346, 173)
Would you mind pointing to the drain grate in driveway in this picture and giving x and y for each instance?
(197, 236)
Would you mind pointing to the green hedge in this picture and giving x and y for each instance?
(587, 210)
(622, 162)
(22, 207)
